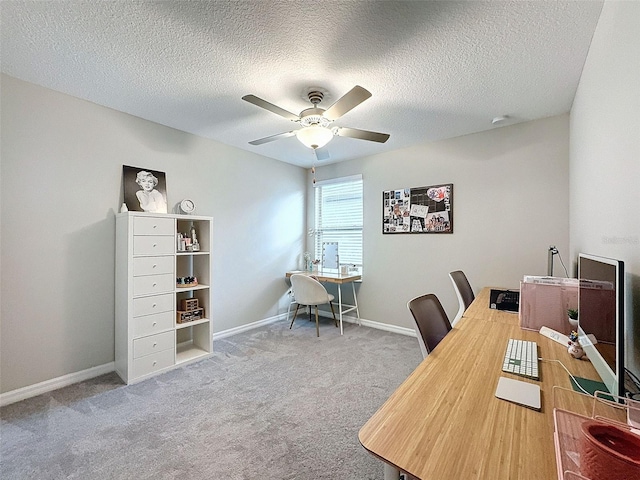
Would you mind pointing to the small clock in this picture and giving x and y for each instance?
(187, 206)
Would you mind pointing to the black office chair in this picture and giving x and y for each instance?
(463, 292)
(430, 321)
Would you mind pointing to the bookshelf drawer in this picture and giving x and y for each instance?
(150, 324)
(153, 245)
(153, 304)
(153, 226)
(152, 265)
(152, 363)
(153, 344)
(153, 284)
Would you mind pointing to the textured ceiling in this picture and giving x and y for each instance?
(436, 69)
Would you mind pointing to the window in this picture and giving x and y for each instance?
(338, 217)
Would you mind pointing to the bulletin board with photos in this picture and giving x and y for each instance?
(418, 210)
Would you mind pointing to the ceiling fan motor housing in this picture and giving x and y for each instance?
(313, 116)
(315, 96)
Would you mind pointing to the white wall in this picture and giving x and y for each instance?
(510, 204)
(605, 154)
(61, 182)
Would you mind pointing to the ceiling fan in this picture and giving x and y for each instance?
(315, 121)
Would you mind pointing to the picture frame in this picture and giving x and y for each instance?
(418, 210)
(145, 190)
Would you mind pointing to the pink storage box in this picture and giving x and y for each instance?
(544, 302)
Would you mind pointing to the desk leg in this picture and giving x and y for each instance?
(355, 300)
(340, 306)
(391, 472)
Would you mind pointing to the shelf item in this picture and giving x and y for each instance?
(149, 338)
(187, 206)
(575, 456)
(189, 304)
(184, 316)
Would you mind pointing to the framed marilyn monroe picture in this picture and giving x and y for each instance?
(145, 190)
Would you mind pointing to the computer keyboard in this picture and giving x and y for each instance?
(521, 358)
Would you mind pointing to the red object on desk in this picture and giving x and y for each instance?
(609, 452)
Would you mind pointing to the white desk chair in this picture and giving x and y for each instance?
(292, 297)
(310, 292)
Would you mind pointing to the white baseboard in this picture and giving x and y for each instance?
(248, 326)
(410, 332)
(54, 384)
(71, 378)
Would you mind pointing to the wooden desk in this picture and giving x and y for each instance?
(444, 421)
(338, 279)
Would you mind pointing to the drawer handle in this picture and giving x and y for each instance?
(155, 344)
(155, 284)
(154, 265)
(154, 324)
(154, 226)
(155, 245)
(155, 363)
(154, 305)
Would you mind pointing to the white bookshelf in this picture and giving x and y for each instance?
(149, 340)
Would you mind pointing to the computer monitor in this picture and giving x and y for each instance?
(601, 314)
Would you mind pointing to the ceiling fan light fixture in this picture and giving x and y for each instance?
(311, 120)
(314, 136)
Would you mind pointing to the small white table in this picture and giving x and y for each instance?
(338, 279)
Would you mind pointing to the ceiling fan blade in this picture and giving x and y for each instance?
(271, 138)
(348, 101)
(271, 107)
(362, 134)
(322, 154)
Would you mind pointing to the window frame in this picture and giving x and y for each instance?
(349, 228)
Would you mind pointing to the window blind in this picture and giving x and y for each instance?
(338, 217)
